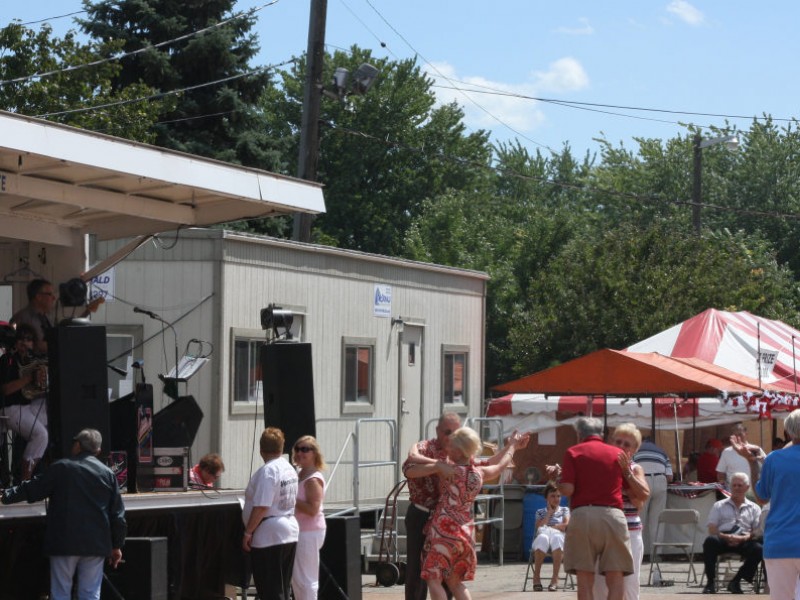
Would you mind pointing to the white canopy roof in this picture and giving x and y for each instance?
(56, 181)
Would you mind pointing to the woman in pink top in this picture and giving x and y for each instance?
(307, 458)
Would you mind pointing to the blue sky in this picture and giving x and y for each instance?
(729, 58)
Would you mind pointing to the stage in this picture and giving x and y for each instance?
(203, 528)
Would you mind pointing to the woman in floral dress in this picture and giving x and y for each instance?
(450, 547)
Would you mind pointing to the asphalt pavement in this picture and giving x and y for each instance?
(493, 581)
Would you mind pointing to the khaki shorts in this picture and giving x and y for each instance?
(598, 533)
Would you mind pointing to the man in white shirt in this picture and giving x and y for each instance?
(731, 462)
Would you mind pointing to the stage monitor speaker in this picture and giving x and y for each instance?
(142, 573)
(176, 425)
(340, 559)
(288, 389)
(78, 387)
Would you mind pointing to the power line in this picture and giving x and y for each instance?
(45, 20)
(565, 185)
(71, 68)
(377, 38)
(495, 92)
(443, 76)
(164, 94)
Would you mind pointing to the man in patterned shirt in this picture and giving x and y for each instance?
(424, 494)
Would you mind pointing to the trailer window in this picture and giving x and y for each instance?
(358, 372)
(454, 376)
(247, 384)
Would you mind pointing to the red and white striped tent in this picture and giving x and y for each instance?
(738, 341)
(761, 349)
(538, 412)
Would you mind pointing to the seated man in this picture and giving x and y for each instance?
(731, 526)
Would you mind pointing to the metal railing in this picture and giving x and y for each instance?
(358, 464)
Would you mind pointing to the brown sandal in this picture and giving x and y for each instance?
(537, 587)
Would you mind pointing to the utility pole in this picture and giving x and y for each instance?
(697, 182)
(312, 99)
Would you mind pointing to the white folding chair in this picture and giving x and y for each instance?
(674, 517)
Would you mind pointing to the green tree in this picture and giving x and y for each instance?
(25, 51)
(381, 154)
(219, 121)
(512, 229)
(614, 288)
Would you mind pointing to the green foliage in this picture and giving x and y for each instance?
(24, 51)
(614, 288)
(219, 121)
(381, 154)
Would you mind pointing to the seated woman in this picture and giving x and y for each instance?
(449, 545)
(205, 473)
(550, 524)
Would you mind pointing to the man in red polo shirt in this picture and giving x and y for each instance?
(592, 478)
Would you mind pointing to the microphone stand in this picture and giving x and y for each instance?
(156, 317)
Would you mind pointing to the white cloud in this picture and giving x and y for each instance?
(522, 114)
(584, 29)
(564, 75)
(686, 12)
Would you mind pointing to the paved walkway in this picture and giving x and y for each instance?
(493, 581)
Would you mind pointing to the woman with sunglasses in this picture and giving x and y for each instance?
(307, 457)
(628, 437)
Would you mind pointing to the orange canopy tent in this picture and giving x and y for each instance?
(619, 373)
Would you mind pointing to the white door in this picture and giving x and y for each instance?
(410, 388)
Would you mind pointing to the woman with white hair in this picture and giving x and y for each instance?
(449, 547)
(628, 437)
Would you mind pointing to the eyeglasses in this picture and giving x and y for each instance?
(447, 431)
(623, 443)
(303, 449)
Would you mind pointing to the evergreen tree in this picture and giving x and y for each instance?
(64, 95)
(218, 121)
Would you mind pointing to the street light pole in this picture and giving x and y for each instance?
(698, 143)
(312, 100)
(697, 182)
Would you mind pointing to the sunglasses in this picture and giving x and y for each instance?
(623, 443)
(303, 449)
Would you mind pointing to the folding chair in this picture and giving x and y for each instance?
(727, 566)
(569, 580)
(675, 517)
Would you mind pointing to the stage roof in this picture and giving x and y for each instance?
(56, 181)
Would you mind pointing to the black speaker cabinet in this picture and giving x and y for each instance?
(176, 425)
(125, 413)
(78, 391)
(340, 559)
(288, 389)
(143, 572)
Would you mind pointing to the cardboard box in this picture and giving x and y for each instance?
(169, 471)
